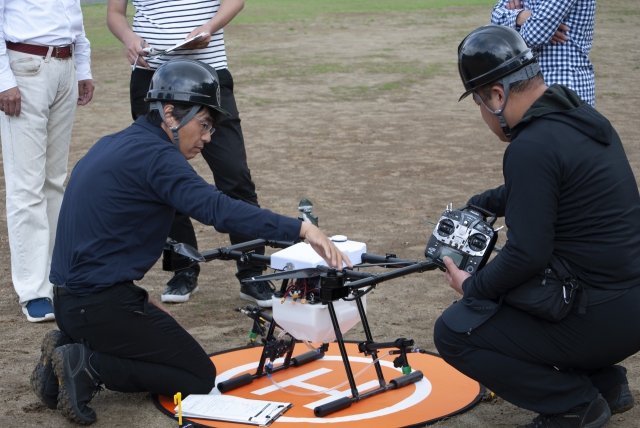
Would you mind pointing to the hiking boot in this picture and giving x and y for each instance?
(43, 382)
(619, 399)
(590, 415)
(39, 310)
(179, 288)
(260, 292)
(78, 382)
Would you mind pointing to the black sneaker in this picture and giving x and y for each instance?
(78, 382)
(590, 415)
(43, 382)
(619, 399)
(260, 292)
(179, 288)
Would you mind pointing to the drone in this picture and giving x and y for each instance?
(317, 304)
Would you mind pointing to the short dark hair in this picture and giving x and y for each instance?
(515, 87)
(179, 112)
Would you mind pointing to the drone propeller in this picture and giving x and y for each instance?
(187, 251)
(290, 274)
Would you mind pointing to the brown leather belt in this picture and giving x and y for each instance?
(58, 52)
(60, 291)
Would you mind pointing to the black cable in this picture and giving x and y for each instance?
(360, 294)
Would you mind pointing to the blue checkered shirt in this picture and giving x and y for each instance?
(564, 63)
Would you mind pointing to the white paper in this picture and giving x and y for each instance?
(232, 409)
(153, 52)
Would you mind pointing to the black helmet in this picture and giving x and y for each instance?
(490, 53)
(186, 81)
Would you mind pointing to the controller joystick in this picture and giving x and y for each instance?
(465, 236)
(446, 227)
(477, 242)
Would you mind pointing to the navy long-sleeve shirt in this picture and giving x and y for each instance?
(120, 202)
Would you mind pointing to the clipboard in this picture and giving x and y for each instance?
(229, 408)
(274, 412)
(152, 52)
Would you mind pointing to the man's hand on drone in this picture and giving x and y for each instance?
(455, 276)
(323, 246)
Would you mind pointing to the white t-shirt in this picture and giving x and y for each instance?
(164, 23)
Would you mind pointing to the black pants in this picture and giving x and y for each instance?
(140, 347)
(547, 367)
(225, 155)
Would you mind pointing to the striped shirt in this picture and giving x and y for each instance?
(164, 23)
(565, 63)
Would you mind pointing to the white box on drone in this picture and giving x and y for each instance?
(312, 321)
(302, 255)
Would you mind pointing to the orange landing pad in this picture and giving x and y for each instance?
(442, 392)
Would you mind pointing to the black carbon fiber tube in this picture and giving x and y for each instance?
(235, 382)
(332, 407)
(405, 380)
(306, 358)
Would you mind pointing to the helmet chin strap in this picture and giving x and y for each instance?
(503, 123)
(523, 74)
(157, 105)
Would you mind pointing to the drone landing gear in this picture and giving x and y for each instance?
(278, 347)
(274, 348)
(369, 348)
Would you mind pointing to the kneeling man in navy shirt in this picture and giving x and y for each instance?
(117, 210)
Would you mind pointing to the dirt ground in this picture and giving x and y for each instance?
(358, 113)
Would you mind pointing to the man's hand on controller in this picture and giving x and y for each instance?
(455, 276)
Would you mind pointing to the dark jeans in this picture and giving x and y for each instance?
(141, 348)
(547, 367)
(225, 155)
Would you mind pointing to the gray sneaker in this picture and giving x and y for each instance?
(260, 292)
(619, 399)
(44, 382)
(179, 288)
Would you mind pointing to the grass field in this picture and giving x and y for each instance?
(261, 11)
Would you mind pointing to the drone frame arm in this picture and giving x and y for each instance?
(396, 273)
(235, 252)
(240, 252)
(388, 260)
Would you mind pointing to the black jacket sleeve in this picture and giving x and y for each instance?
(492, 200)
(530, 197)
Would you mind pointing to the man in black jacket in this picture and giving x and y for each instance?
(568, 191)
